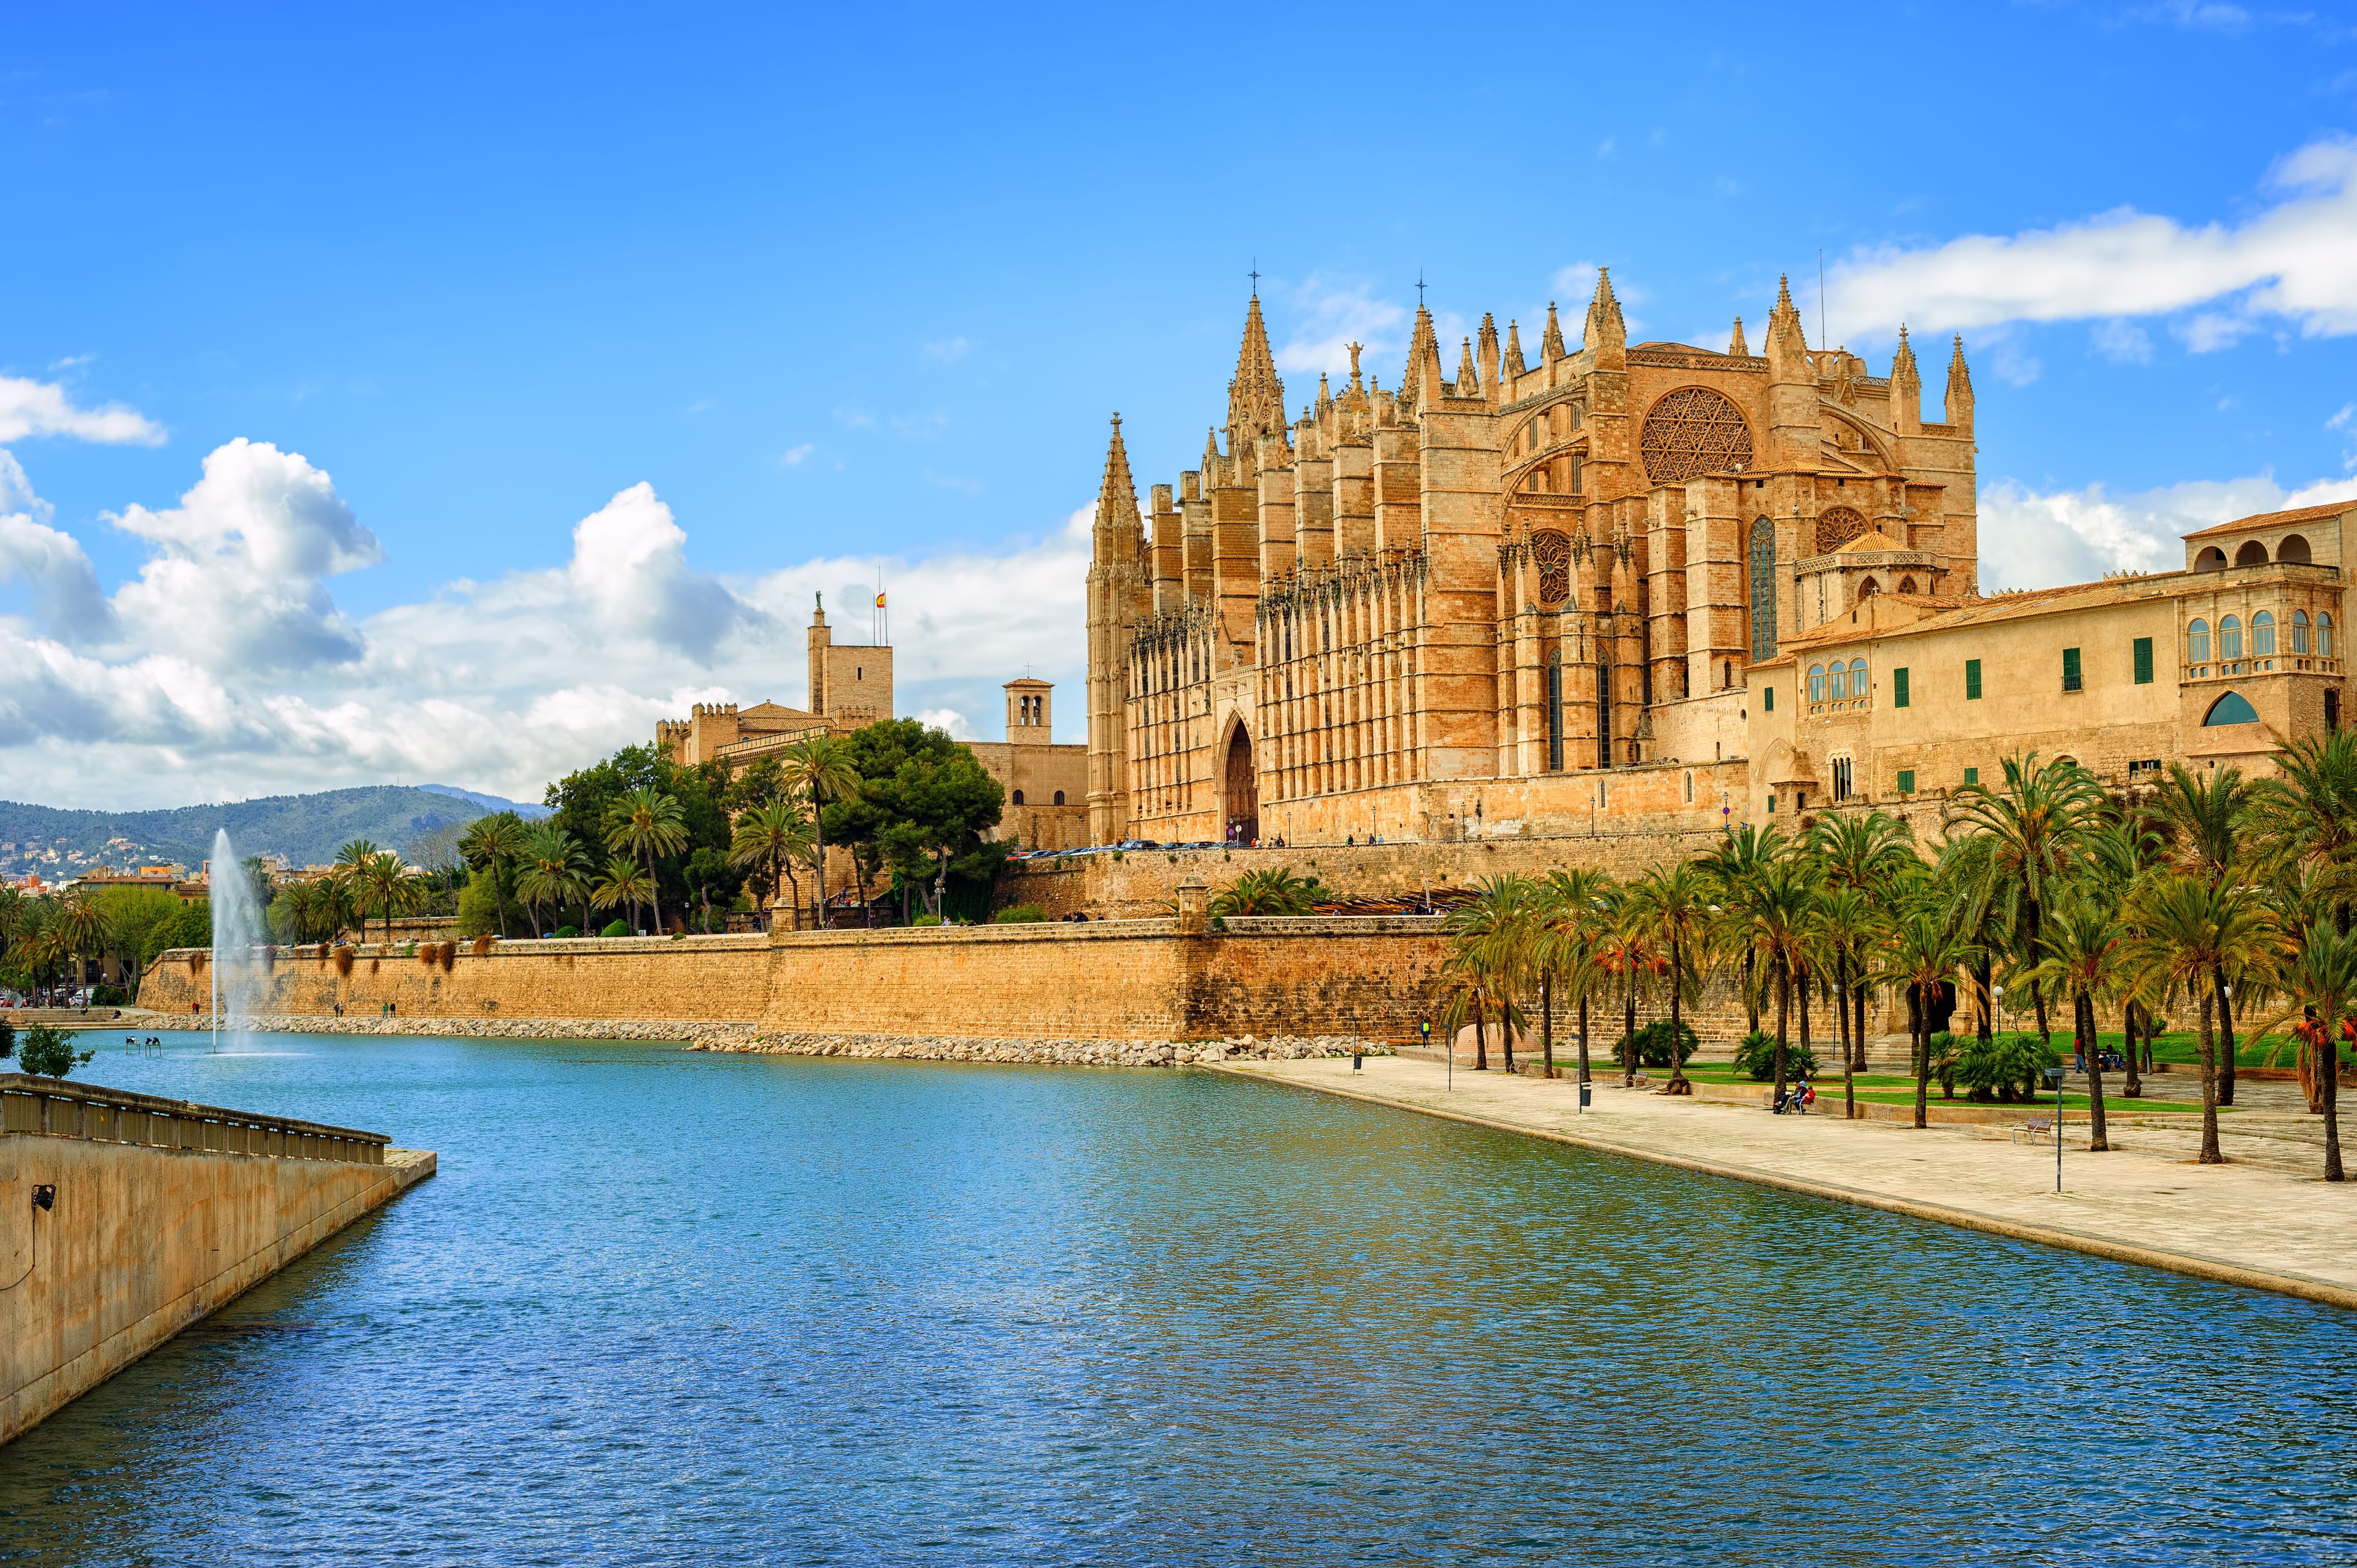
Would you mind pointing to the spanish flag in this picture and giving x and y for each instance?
(879, 601)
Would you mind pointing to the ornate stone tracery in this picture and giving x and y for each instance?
(1694, 431)
(1836, 526)
(1552, 553)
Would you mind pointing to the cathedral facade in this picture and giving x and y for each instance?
(1526, 599)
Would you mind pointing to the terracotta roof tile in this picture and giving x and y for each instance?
(2275, 520)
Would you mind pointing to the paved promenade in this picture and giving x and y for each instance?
(2244, 1223)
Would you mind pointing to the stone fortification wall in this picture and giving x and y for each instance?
(143, 1240)
(1111, 980)
(1144, 883)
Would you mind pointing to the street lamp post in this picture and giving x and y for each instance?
(2054, 1076)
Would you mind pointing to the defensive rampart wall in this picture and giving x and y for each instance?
(124, 1218)
(1109, 980)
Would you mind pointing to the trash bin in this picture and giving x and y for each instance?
(1586, 1090)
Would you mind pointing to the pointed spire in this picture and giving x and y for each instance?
(1551, 345)
(1423, 359)
(1606, 329)
(1960, 387)
(1902, 363)
(1787, 346)
(1906, 389)
(1210, 456)
(1257, 397)
(1736, 346)
(1117, 518)
(1514, 366)
(1468, 377)
(1325, 398)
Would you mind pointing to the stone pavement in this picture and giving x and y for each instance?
(2244, 1223)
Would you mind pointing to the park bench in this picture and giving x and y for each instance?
(2035, 1130)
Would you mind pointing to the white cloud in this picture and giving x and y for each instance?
(502, 685)
(42, 408)
(950, 722)
(1605, 148)
(2291, 263)
(793, 456)
(2123, 342)
(1335, 313)
(2031, 539)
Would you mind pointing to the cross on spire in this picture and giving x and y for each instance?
(1254, 275)
(1420, 288)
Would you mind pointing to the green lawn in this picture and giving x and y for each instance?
(2185, 1049)
(1897, 1088)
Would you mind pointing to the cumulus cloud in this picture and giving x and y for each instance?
(42, 408)
(2289, 263)
(1334, 313)
(2032, 539)
(502, 685)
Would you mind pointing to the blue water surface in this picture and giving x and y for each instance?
(669, 1308)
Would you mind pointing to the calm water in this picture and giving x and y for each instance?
(668, 1308)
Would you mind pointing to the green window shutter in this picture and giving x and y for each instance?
(1898, 688)
(2071, 670)
(1772, 805)
(1971, 680)
(1972, 775)
(1907, 781)
(1767, 704)
(2144, 661)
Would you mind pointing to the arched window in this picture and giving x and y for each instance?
(1555, 710)
(1017, 798)
(1906, 584)
(2299, 631)
(2324, 635)
(1858, 677)
(2262, 634)
(1763, 590)
(1868, 589)
(2229, 638)
(2252, 554)
(2211, 559)
(2293, 548)
(1059, 797)
(2197, 644)
(1816, 683)
(2232, 708)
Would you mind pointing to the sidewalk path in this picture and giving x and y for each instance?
(2243, 1223)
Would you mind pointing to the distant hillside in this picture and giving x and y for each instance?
(529, 812)
(306, 829)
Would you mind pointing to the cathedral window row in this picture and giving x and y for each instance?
(1837, 683)
(2263, 637)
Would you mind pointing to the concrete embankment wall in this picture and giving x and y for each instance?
(1111, 980)
(147, 1236)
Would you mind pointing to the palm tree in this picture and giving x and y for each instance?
(1494, 933)
(2036, 821)
(1625, 956)
(2080, 950)
(1275, 891)
(625, 882)
(1734, 864)
(2318, 981)
(774, 834)
(495, 842)
(1571, 904)
(2186, 931)
(2309, 808)
(1869, 852)
(1672, 904)
(647, 823)
(1780, 923)
(2209, 822)
(551, 866)
(1849, 927)
(82, 930)
(1926, 946)
(819, 768)
(386, 881)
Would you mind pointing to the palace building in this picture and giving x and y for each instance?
(1551, 595)
(851, 687)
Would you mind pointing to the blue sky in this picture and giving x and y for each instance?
(845, 288)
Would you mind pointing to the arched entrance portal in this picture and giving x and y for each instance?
(1242, 790)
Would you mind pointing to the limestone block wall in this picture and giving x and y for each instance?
(1119, 980)
(143, 1241)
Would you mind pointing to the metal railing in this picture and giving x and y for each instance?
(56, 1109)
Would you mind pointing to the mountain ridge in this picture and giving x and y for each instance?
(58, 842)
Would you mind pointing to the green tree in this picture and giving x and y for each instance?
(493, 844)
(625, 882)
(1781, 916)
(2209, 821)
(2037, 822)
(1672, 904)
(1495, 934)
(2318, 980)
(1274, 890)
(2081, 947)
(773, 833)
(549, 869)
(49, 1052)
(1735, 865)
(1926, 946)
(820, 770)
(647, 824)
(2185, 932)
(1572, 906)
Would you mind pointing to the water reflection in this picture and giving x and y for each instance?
(662, 1307)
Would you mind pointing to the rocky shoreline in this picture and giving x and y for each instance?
(753, 1040)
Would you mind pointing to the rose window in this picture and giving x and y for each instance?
(1694, 431)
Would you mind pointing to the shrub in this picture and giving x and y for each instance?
(111, 995)
(566, 932)
(1653, 1044)
(2006, 1070)
(616, 929)
(481, 944)
(1755, 1057)
(343, 958)
(926, 921)
(49, 1053)
(7, 1038)
(1945, 1061)
(1019, 915)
